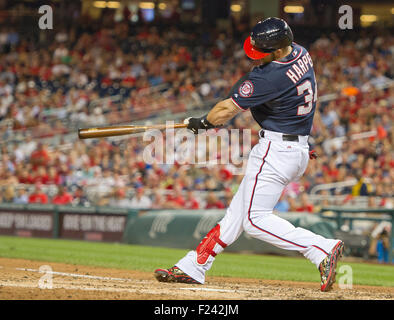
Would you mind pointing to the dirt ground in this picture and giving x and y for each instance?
(22, 280)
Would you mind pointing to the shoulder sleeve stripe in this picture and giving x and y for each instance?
(238, 105)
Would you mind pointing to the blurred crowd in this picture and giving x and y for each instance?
(44, 91)
(144, 70)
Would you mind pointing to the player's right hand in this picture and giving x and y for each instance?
(195, 124)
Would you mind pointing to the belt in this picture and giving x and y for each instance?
(285, 137)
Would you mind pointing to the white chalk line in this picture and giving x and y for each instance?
(214, 290)
(76, 275)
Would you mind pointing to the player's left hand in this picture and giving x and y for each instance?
(312, 154)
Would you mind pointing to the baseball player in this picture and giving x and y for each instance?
(281, 94)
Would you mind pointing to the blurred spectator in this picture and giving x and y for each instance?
(380, 242)
(158, 199)
(175, 199)
(361, 188)
(53, 177)
(191, 202)
(305, 205)
(41, 175)
(80, 198)
(120, 199)
(38, 196)
(62, 197)
(39, 157)
(140, 200)
(25, 177)
(9, 194)
(383, 246)
(212, 201)
(22, 197)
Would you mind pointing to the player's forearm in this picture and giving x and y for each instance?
(222, 112)
(219, 115)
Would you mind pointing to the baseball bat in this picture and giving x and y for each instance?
(112, 131)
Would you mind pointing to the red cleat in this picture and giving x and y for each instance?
(328, 266)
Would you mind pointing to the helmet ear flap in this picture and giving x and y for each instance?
(251, 51)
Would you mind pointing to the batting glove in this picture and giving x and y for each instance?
(195, 124)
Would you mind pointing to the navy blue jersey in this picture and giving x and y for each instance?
(281, 95)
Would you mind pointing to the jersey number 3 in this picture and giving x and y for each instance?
(310, 97)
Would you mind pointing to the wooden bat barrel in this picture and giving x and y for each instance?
(112, 131)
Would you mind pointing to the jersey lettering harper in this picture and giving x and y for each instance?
(281, 95)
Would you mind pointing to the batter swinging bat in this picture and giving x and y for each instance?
(112, 131)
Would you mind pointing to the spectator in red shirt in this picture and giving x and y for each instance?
(191, 202)
(40, 156)
(62, 197)
(305, 205)
(332, 170)
(41, 176)
(175, 200)
(38, 196)
(213, 202)
(225, 174)
(25, 177)
(53, 176)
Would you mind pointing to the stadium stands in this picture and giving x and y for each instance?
(93, 77)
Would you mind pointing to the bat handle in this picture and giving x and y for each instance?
(180, 125)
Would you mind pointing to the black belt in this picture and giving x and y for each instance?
(285, 137)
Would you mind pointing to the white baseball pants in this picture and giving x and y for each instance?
(272, 164)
